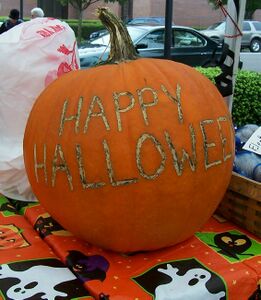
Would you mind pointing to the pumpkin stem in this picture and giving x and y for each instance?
(122, 48)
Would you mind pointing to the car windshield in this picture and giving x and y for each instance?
(217, 26)
(135, 33)
(257, 25)
(155, 20)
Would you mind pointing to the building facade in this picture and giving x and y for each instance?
(185, 12)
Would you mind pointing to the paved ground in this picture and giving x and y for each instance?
(251, 61)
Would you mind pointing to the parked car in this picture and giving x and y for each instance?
(98, 33)
(188, 46)
(147, 21)
(135, 21)
(251, 34)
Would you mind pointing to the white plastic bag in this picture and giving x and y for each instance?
(32, 55)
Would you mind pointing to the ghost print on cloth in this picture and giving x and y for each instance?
(182, 279)
(45, 279)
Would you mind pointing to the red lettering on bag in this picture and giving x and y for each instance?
(50, 30)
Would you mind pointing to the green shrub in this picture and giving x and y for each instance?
(247, 99)
(2, 19)
(88, 26)
(210, 73)
(246, 107)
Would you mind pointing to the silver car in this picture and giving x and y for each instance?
(187, 46)
(251, 34)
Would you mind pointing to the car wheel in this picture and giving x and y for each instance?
(255, 45)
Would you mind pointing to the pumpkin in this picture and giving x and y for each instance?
(132, 155)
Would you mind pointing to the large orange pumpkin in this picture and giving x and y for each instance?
(130, 156)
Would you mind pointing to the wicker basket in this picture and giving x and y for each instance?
(242, 203)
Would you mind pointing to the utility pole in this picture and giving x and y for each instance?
(236, 10)
(127, 10)
(21, 9)
(168, 29)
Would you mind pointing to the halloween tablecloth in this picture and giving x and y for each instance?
(41, 260)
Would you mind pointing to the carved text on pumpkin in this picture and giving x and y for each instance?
(96, 101)
(60, 164)
(96, 109)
